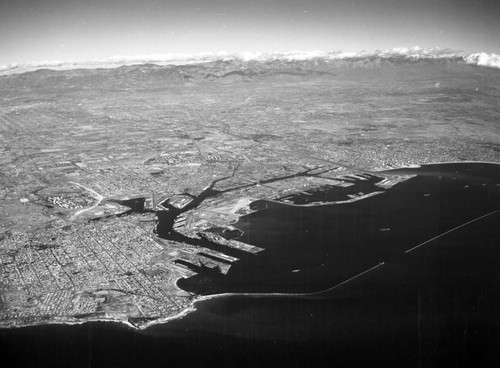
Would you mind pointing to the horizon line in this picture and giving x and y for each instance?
(479, 58)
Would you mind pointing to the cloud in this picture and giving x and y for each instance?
(416, 53)
(484, 59)
(8, 67)
(413, 53)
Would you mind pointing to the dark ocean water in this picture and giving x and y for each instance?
(309, 249)
(437, 305)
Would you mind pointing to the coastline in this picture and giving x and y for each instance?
(70, 321)
(419, 166)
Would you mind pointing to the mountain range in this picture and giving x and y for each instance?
(291, 66)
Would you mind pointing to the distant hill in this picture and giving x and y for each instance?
(229, 70)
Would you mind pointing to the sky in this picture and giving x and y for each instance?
(82, 30)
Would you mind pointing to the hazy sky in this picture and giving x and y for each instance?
(40, 30)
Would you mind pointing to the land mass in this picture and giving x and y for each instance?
(94, 163)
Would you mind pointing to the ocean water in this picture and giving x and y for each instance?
(431, 298)
(310, 249)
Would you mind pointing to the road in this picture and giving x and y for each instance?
(94, 194)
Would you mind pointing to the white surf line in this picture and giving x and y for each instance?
(458, 162)
(449, 231)
(422, 166)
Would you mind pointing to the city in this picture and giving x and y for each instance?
(87, 175)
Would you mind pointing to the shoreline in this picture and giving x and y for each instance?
(71, 321)
(419, 166)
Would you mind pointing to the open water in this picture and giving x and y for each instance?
(430, 299)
